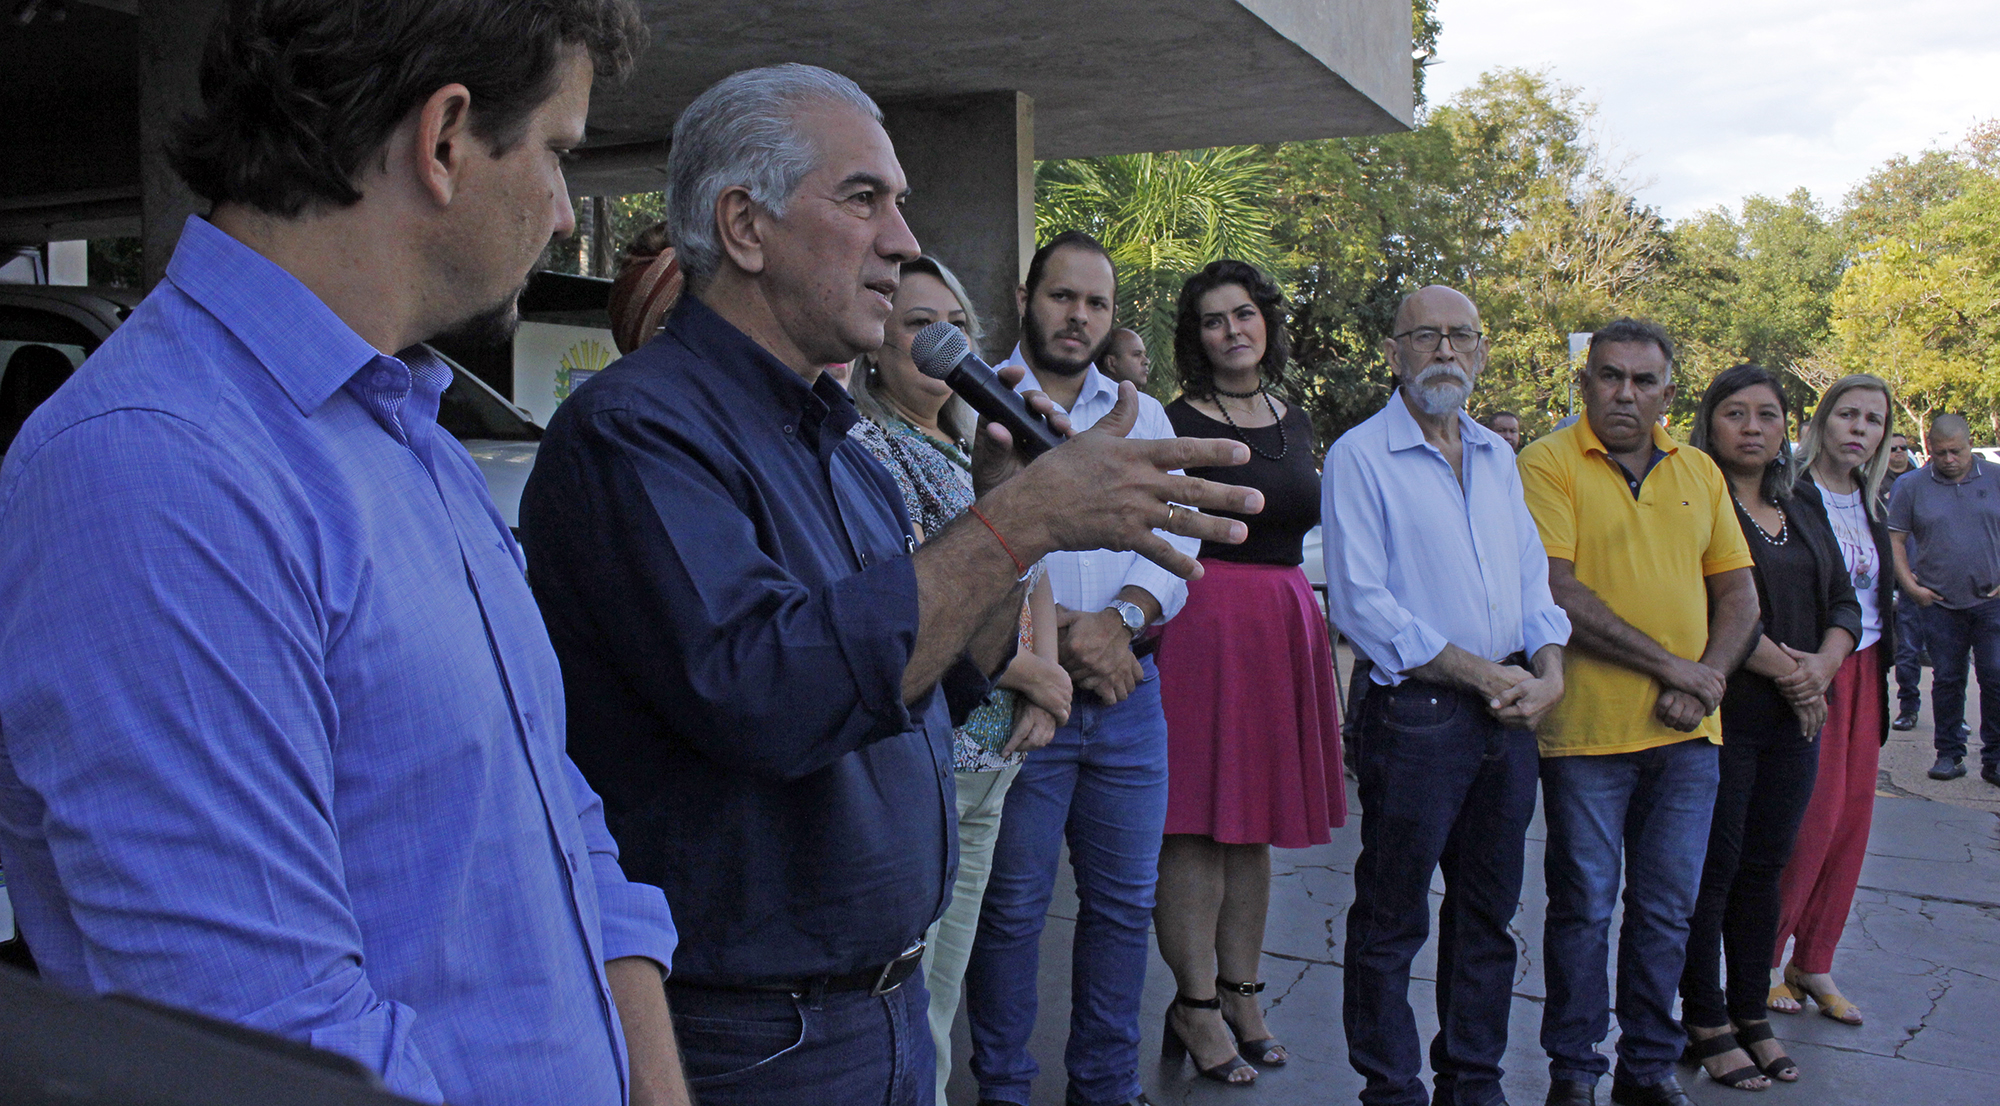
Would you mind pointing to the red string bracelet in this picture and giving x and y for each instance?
(996, 537)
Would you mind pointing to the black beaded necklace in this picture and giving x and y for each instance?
(1283, 445)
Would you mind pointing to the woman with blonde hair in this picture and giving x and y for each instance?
(1843, 455)
(922, 433)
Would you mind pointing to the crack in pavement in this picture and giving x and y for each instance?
(1980, 904)
(1884, 784)
(1289, 987)
(1923, 1023)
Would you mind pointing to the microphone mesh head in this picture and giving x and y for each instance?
(937, 347)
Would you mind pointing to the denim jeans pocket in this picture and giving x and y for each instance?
(719, 1051)
(1409, 709)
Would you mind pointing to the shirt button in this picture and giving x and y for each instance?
(788, 429)
(384, 378)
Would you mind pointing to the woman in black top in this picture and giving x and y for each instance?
(1253, 737)
(1771, 717)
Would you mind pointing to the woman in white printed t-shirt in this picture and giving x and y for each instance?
(1842, 457)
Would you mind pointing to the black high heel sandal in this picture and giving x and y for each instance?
(1745, 1078)
(1173, 1047)
(1782, 1067)
(1257, 1051)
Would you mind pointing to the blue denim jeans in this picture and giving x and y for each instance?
(844, 1048)
(1951, 636)
(1442, 785)
(1909, 651)
(1102, 784)
(1650, 810)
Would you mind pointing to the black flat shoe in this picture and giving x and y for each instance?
(1173, 1047)
(1948, 767)
(1749, 1077)
(1258, 1051)
(1905, 721)
(1665, 1093)
(1780, 1067)
(1570, 1092)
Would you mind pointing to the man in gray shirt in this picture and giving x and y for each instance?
(1951, 508)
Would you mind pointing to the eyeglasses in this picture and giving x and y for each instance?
(1899, 449)
(1425, 339)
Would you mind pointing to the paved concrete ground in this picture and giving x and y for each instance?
(1921, 957)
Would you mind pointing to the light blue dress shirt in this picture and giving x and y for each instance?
(1089, 580)
(281, 733)
(1415, 560)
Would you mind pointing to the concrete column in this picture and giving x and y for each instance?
(971, 165)
(171, 36)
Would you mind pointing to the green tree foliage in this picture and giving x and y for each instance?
(1501, 193)
(627, 216)
(1920, 305)
(1752, 286)
(1361, 221)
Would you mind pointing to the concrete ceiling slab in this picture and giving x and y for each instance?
(1107, 76)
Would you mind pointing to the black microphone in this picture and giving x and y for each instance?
(942, 353)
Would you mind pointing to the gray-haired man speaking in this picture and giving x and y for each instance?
(757, 666)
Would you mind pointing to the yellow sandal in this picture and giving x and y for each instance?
(1783, 998)
(1831, 1002)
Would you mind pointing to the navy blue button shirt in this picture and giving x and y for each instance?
(725, 576)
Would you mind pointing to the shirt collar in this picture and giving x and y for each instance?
(298, 339)
(1405, 432)
(1094, 383)
(822, 411)
(1971, 474)
(1587, 441)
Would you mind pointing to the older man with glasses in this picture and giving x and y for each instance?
(1436, 572)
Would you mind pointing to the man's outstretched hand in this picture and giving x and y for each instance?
(1103, 490)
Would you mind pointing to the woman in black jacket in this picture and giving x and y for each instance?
(1843, 459)
(1772, 713)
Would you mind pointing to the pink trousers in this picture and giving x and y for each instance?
(1818, 885)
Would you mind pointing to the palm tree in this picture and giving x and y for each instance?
(1162, 216)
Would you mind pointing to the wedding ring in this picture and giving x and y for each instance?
(1171, 509)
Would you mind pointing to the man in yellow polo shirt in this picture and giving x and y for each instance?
(1646, 557)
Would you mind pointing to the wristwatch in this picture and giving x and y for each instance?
(1130, 614)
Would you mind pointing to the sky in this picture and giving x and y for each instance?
(1708, 101)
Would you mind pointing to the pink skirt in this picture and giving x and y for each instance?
(1253, 727)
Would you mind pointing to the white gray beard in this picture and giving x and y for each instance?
(1442, 400)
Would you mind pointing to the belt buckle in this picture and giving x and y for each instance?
(882, 985)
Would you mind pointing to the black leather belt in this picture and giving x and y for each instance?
(1144, 646)
(879, 980)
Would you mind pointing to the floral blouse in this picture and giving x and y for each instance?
(936, 481)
